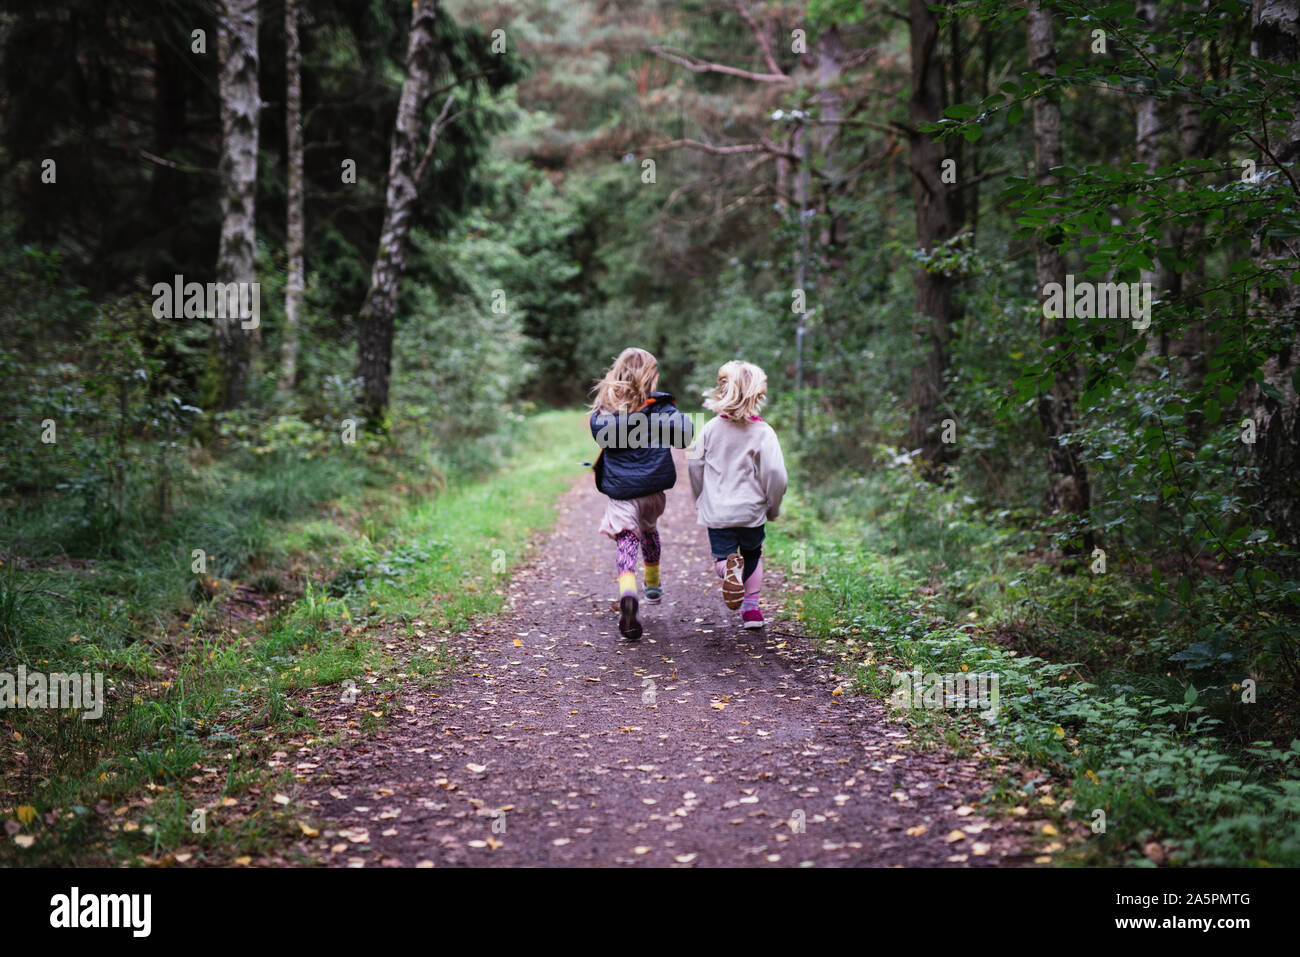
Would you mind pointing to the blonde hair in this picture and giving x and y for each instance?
(740, 392)
(628, 383)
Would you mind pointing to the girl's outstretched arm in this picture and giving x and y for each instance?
(772, 474)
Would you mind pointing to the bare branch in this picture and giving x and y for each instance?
(696, 65)
(764, 146)
(434, 130)
(760, 36)
(145, 154)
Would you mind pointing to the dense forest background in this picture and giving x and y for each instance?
(459, 212)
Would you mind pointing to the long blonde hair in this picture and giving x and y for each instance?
(740, 392)
(628, 383)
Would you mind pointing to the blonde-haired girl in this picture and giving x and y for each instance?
(738, 478)
(636, 428)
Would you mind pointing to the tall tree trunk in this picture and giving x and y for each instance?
(293, 127)
(1275, 36)
(938, 218)
(240, 109)
(830, 58)
(167, 186)
(1192, 343)
(375, 321)
(1148, 132)
(1068, 488)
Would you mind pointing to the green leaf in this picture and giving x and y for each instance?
(961, 111)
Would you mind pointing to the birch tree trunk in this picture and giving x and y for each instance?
(1068, 488)
(375, 321)
(240, 109)
(938, 217)
(1272, 400)
(1148, 131)
(293, 127)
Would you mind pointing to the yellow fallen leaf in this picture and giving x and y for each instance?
(916, 831)
(718, 705)
(243, 861)
(1049, 830)
(228, 802)
(24, 840)
(26, 814)
(518, 643)
(281, 799)
(980, 848)
(640, 849)
(953, 837)
(308, 830)
(130, 826)
(477, 768)
(493, 843)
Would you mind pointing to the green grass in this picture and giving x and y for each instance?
(900, 576)
(380, 563)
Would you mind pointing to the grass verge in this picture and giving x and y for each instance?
(902, 580)
(205, 683)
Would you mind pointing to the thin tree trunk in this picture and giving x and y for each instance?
(240, 108)
(1275, 36)
(293, 126)
(375, 321)
(1148, 132)
(830, 57)
(1068, 488)
(938, 217)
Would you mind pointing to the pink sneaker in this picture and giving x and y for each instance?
(752, 618)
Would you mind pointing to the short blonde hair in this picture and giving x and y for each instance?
(740, 392)
(628, 383)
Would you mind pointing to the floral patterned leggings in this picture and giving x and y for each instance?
(627, 548)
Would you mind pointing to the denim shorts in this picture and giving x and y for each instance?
(725, 541)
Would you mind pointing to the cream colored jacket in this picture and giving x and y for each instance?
(737, 473)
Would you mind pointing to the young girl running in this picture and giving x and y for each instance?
(738, 478)
(635, 427)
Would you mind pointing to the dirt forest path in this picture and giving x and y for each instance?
(557, 743)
